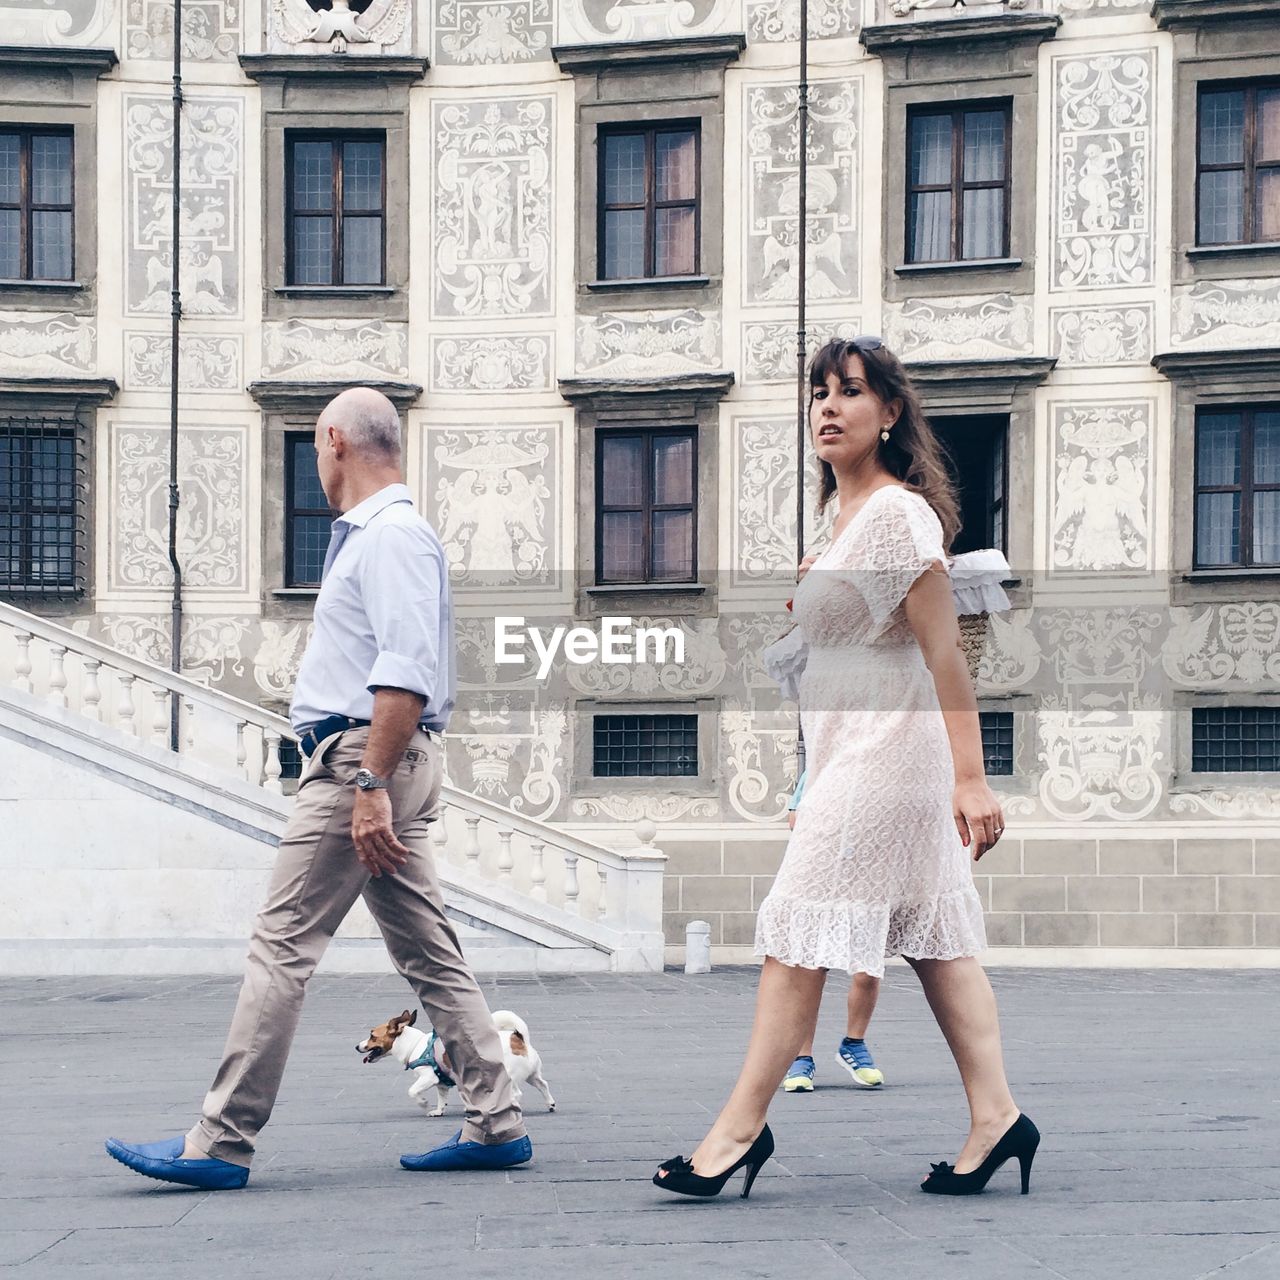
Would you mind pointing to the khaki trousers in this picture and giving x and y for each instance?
(316, 881)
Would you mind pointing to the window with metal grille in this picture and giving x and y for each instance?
(646, 522)
(645, 747)
(997, 742)
(42, 485)
(1237, 513)
(648, 202)
(1238, 164)
(37, 204)
(958, 192)
(290, 757)
(1235, 739)
(975, 451)
(307, 513)
(336, 208)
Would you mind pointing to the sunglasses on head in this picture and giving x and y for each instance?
(865, 342)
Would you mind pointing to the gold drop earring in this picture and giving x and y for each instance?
(884, 434)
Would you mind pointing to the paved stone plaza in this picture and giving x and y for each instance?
(1157, 1093)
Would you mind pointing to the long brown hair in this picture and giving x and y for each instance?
(912, 453)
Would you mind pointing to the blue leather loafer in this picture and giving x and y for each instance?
(163, 1161)
(456, 1154)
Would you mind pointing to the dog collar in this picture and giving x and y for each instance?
(427, 1058)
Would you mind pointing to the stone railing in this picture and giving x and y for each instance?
(484, 843)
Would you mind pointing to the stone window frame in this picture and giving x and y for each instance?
(1024, 779)
(961, 62)
(69, 398)
(1183, 780)
(293, 439)
(705, 783)
(690, 401)
(676, 81)
(58, 88)
(970, 388)
(289, 407)
(1213, 41)
(1205, 379)
(318, 93)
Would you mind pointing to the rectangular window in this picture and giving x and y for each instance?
(336, 209)
(649, 202)
(958, 188)
(1235, 739)
(646, 527)
(1238, 164)
(975, 451)
(42, 482)
(36, 204)
(997, 742)
(645, 746)
(307, 514)
(1237, 513)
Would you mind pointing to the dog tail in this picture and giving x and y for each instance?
(515, 1026)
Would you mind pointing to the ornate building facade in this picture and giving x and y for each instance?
(562, 235)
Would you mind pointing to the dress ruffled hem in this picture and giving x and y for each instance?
(857, 936)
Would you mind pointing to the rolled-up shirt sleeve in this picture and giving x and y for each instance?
(402, 583)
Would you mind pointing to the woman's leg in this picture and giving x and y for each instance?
(786, 1009)
(965, 1007)
(864, 991)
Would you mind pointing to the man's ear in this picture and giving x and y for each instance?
(336, 442)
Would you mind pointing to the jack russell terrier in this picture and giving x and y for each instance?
(423, 1053)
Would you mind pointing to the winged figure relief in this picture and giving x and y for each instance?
(1104, 495)
(378, 22)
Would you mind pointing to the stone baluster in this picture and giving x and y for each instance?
(271, 762)
(571, 903)
(160, 715)
(505, 861)
(440, 832)
(22, 668)
(91, 691)
(537, 872)
(604, 879)
(189, 734)
(57, 675)
(124, 704)
(242, 751)
(472, 847)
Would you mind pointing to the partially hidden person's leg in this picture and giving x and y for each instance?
(316, 881)
(409, 910)
(786, 1007)
(864, 991)
(962, 1001)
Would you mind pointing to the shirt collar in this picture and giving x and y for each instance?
(363, 512)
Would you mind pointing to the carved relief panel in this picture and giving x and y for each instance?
(771, 21)
(210, 30)
(1102, 200)
(771, 237)
(481, 32)
(636, 344)
(960, 328)
(491, 208)
(33, 346)
(212, 160)
(591, 21)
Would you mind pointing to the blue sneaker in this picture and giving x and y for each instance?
(799, 1078)
(163, 1161)
(456, 1154)
(855, 1058)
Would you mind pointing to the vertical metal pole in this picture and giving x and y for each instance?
(802, 236)
(175, 320)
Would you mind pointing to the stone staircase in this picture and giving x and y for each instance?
(122, 855)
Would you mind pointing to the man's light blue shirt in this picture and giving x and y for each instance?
(382, 617)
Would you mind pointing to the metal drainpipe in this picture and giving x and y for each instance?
(175, 313)
(802, 211)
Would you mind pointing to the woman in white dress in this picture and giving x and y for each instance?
(896, 802)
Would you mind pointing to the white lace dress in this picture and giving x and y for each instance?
(875, 866)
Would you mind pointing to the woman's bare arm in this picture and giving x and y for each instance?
(931, 615)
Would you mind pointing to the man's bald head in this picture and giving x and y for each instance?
(368, 421)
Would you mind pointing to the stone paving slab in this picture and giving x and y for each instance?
(1157, 1093)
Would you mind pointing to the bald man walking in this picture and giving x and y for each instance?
(373, 694)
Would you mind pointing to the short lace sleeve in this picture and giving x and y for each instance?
(899, 540)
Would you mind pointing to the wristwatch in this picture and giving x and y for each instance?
(368, 781)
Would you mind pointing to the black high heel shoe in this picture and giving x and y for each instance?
(1019, 1140)
(681, 1178)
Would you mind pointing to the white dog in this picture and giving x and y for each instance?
(423, 1053)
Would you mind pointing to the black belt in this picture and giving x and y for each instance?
(326, 728)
